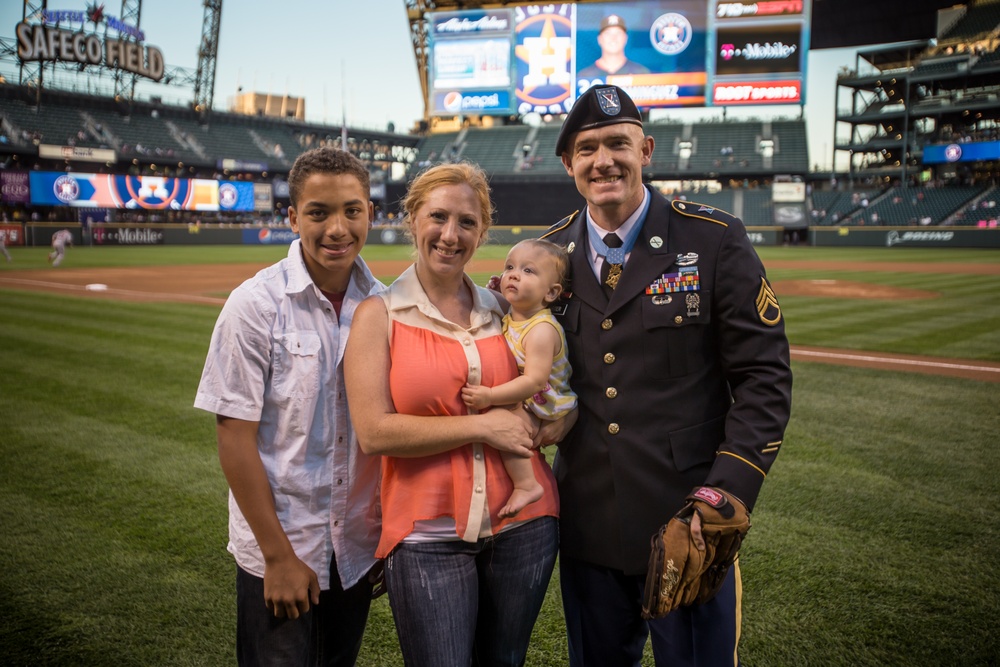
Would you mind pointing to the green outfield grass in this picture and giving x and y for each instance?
(874, 542)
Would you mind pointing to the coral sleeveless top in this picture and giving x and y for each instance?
(432, 359)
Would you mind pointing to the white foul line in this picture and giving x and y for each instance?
(889, 360)
(160, 296)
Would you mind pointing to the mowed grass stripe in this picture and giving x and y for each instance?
(873, 540)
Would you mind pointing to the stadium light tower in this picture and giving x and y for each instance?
(30, 72)
(125, 81)
(208, 53)
(416, 11)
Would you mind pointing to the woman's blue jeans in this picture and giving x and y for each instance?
(460, 603)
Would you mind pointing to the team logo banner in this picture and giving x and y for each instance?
(543, 50)
(139, 192)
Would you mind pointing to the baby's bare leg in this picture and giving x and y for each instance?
(526, 488)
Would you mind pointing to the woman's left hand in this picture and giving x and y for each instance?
(510, 430)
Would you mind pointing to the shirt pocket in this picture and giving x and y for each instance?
(675, 332)
(296, 364)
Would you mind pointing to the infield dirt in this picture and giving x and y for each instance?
(210, 283)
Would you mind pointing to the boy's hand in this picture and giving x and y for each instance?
(477, 396)
(290, 587)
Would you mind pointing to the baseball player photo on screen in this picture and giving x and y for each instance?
(654, 50)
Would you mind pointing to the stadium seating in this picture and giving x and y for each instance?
(840, 211)
(721, 200)
(544, 160)
(914, 206)
(791, 149)
(982, 211)
(433, 149)
(60, 126)
(667, 138)
(825, 202)
(758, 208)
(979, 18)
(726, 147)
(496, 149)
(721, 148)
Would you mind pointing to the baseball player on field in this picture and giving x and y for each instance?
(60, 240)
(3, 246)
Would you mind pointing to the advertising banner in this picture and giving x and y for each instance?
(759, 49)
(665, 53)
(241, 165)
(470, 62)
(791, 215)
(266, 236)
(76, 153)
(12, 234)
(236, 196)
(262, 198)
(115, 191)
(102, 235)
(14, 187)
(966, 152)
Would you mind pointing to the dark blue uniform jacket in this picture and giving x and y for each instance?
(677, 389)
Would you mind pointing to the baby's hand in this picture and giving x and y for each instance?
(477, 396)
(493, 283)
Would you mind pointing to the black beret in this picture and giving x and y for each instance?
(599, 106)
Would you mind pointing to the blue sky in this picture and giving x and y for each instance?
(356, 58)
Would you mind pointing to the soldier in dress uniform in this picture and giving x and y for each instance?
(681, 365)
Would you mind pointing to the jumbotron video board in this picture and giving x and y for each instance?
(666, 53)
(56, 188)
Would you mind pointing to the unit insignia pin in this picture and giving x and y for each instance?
(655, 242)
(571, 247)
(693, 303)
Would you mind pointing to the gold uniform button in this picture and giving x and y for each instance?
(678, 319)
(607, 324)
(609, 358)
(611, 392)
(613, 428)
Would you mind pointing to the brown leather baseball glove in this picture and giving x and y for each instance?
(682, 572)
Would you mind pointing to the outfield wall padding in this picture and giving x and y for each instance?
(119, 234)
(905, 237)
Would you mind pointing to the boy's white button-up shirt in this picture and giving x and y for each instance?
(276, 357)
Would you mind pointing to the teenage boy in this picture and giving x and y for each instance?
(304, 519)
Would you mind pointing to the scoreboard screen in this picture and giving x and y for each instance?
(664, 53)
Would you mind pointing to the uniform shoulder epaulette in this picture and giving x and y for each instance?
(561, 225)
(692, 209)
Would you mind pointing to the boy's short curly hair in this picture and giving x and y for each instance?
(325, 161)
